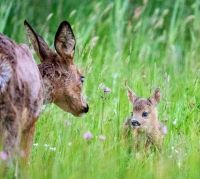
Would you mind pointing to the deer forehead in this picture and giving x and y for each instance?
(142, 105)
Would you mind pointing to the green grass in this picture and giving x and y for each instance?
(159, 49)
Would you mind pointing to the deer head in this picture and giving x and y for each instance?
(63, 82)
(144, 116)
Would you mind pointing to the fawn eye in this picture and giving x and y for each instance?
(144, 114)
(82, 79)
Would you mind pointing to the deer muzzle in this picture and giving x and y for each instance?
(135, 123)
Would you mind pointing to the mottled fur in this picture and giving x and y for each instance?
(26, 86)
(143, 125)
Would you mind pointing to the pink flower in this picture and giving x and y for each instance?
(164, 130)
(3, 155)
(102, 137)
(87, 135)
(106, 90)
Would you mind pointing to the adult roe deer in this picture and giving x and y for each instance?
(26, 86)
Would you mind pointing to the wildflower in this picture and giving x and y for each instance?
(94, 41)
(46, 145)
(165, 12)
(35, 144)
(52, 148)
(164, 130)
(174, 122)
(176, 151)
(102, 137)
(179, 164)
(3, 155)
(87, 135)
(106, 90)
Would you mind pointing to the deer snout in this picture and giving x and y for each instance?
(135, 123)
(86, 109)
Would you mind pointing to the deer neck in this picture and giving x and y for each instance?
(155, 121)
(48, 86)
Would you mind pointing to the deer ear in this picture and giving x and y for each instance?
(155, 98)
(131, 96)
(39, 45)
(65, 41)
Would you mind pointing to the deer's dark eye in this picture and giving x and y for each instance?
(82, 79)
(144, 114)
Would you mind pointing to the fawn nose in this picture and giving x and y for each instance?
(135, 123)
(86, 109)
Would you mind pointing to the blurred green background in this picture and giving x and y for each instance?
(149, 43)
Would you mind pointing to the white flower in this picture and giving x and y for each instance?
(174, 122)
(35, 144)
(102, 137)
(46, 145)
(52, 148)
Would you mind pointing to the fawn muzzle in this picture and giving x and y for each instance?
(135, 123)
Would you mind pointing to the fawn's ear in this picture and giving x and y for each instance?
(155, 98)
(39, 45)
(131, 96)
(65, 41)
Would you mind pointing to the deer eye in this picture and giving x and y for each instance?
(82, 79)
(144, 114)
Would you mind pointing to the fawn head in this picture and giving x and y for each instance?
(144, 115)
(63, 82)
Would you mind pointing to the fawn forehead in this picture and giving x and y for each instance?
(142, 104)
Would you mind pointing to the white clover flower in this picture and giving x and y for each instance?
(102, 137)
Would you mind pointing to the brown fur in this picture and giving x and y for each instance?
(145, 130)
(24, 86)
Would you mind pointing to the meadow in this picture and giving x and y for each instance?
(149, 44)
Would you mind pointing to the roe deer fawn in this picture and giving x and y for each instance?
(144, 126)
(26, 86)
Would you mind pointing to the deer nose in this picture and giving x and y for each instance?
(86, 109)
(135, 123)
